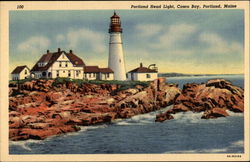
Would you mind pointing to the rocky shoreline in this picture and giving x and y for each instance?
(42, 108)
(213, 98)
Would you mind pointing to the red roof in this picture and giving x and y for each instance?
(18, 69)
(115, 16)
(91, 69)
(106, 70)
(142, 69)
(96, 69)
(50, 58)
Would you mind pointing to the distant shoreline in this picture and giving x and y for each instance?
(190, 75)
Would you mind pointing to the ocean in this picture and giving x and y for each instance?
(187, 133)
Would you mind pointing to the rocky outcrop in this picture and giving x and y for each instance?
(213, 98)
(43, 108)
(163, 116)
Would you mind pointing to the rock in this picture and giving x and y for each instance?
(163, 116)
(214, 113)
(46, 109)
(39, 125)
(215, 93)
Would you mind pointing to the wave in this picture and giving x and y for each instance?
(234, 147)
(191, 117)
(141, 119)
(234, 114)
(25, 144)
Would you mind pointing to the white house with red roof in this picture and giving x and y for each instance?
(58, 64)
(20, 72)
(143, 73)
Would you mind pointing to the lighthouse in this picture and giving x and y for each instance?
(116, 57)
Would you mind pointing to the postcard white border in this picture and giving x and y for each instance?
(5, 7)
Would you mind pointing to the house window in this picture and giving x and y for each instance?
(90, 75)
(66, 64)
(77, 73)
(63, 71)
(25, 72)
(148, 76)
(69, 74)
(107, 75)
(60, 64)
(94, 75)
(57, 73)
(85, 75)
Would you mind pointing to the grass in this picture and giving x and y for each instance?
(123, 84)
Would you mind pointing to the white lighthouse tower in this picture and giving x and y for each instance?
(116, 57)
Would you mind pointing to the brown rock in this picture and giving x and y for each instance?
(214, 113)
(163, 116)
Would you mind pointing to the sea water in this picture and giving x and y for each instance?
(187, 133)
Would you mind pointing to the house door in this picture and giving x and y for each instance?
(49, 74)
(44, 74)
(132, 76)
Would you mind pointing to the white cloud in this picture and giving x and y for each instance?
(91, 40)
(175, 34)
(217, 45)
(60, 38)
(34, 44)
(147, 30)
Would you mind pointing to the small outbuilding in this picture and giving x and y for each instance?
(143, 73)
(91, 72)
(96, 73)
(20, 72)
(106, 74)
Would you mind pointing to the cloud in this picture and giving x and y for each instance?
(217, 45)
(175, 35)
(147, 30)
(60, 38)
(89, 40)
(34, 44)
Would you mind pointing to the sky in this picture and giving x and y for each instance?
(182, 41)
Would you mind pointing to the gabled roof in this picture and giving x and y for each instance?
(91, 69)
(142, 69)
(19, 69)
(106, 70)
(50, 58)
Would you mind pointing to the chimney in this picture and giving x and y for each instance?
(140, 64)
(47, 51)
(59, 49)
(70, 51)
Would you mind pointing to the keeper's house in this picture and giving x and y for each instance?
(58, 64)
(20, 72)
(143, 73)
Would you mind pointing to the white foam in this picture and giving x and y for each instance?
(237, 144)
(231, 113)
(190, 117)
(24, 144)
(141, 119)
